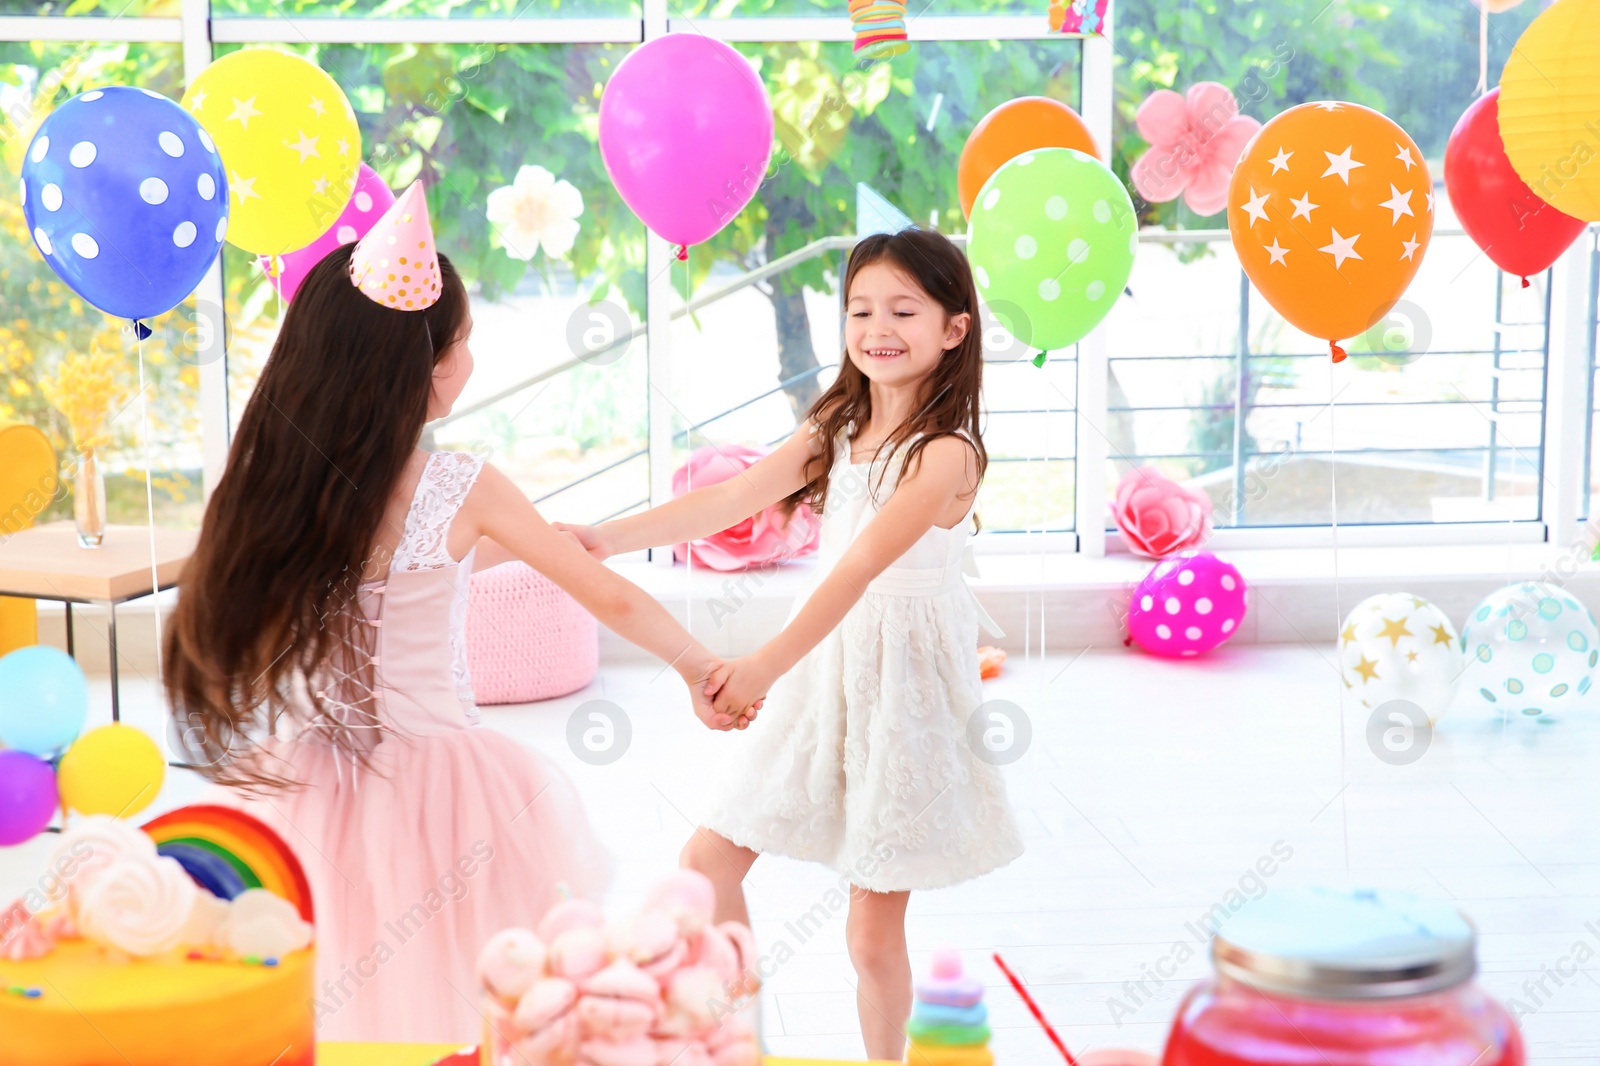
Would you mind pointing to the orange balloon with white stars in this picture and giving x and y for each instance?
(1331, 209)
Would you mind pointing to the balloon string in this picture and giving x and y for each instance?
(1483, 48)
(1338, 608)
(149, 501)
(682, 255)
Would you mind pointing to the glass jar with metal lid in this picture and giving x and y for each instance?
(1363, 978)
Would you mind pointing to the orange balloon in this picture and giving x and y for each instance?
(1014, 127)
(1331, 209)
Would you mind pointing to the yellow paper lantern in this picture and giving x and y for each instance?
(115, 770)
(1550, 107)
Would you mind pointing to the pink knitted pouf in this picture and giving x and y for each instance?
(527, 639)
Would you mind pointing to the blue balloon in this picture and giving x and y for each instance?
(44, 700)
(126, 198)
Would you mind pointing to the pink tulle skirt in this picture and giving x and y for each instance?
(414, 865)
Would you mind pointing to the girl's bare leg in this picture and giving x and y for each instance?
(876, 935)
(725, 863)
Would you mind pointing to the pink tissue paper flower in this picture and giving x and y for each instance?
(763, 539)
(1195, 142)
(1158, 516)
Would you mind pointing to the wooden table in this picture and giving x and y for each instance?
(47, 563)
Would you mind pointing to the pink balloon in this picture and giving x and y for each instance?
(1186, 605)
(368, 201)
(685, 133)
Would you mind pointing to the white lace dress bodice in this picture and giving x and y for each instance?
(423, 549)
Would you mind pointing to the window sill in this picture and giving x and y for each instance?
(1069, 601)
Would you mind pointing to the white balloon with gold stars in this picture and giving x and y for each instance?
(1396, 646)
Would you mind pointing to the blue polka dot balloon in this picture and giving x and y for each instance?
(125, 197)
(1531, 650)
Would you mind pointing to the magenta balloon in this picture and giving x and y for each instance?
(1186, 605)
(368, 201)
(685, 133)
(27, 796)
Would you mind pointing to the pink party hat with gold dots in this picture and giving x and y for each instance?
(395, 263)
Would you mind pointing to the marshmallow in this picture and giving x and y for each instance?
(510, 963)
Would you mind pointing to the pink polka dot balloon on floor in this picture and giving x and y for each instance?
(368, 201)
(1186, 605)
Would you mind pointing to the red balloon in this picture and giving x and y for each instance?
(1516, 229)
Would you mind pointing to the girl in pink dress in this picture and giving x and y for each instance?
(316, 660)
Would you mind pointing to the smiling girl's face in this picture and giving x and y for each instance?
(894, 333)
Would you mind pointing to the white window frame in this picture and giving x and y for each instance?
(1566, 414)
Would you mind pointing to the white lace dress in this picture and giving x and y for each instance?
(861, 757)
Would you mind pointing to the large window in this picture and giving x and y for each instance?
(45, 322)
(746, 366)
(467, 119)
(1438, 415)
(425, 9)
(1441, 417)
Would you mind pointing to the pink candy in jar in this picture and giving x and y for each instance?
(1186, 605)
(1360, 978)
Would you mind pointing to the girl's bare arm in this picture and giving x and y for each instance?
(948, 469)
(702, 512)
(497, 509)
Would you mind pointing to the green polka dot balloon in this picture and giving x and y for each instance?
(1053, 234)
(1531, 650)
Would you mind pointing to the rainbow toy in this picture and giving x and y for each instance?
(880, 27)
(227, 851)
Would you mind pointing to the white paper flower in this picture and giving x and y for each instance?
(535, 210)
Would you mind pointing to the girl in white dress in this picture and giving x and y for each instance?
(862, 759)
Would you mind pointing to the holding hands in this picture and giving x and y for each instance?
(726, 695)
(704, 683)
(741, 683)
(588, 538)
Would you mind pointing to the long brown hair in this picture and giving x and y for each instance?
(267, 620)
(949, 400)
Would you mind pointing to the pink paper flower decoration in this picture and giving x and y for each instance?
(1195, 142)
(1158, 516)
(758, 541)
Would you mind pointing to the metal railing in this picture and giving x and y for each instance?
(1241, 406)
(743, 281)
(1240, 456)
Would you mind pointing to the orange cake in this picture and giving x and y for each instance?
(189, 942)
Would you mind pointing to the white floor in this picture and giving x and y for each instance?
(1149, 791)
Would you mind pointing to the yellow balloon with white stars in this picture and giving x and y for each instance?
(289, 143)
(1396, 646)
